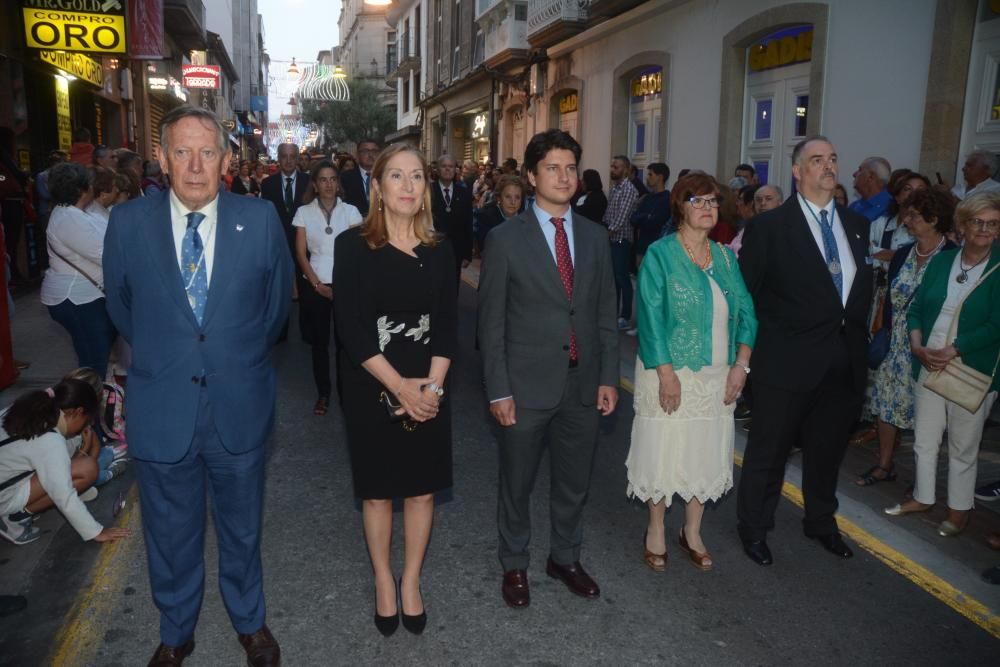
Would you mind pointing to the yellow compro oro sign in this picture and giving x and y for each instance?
(76, 64)
(63, 121)
(61, 30)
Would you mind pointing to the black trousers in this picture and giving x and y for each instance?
(818, 421)
(317, 319)
(570, 431)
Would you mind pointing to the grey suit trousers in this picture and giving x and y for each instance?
(570, 431)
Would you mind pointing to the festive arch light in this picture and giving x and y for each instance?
(323, 83)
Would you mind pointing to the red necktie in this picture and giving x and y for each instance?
(565, 263)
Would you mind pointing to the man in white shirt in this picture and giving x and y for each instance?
(978, 170)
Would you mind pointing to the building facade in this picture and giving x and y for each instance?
(709, 85)
(367, 49)
(409, 20)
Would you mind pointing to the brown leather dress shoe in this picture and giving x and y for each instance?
(171, 656)
(575, 578)
(262, 648)
(515, 589)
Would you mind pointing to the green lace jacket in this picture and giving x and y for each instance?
(675, 306)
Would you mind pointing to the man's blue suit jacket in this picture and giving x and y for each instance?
(248, 301)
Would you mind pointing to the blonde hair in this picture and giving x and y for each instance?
(977, 203)
(374, 229)
(88, 375)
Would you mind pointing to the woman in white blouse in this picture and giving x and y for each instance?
(74, 283)
(317, 225)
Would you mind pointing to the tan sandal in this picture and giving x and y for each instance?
(321, 407)
(655, 562)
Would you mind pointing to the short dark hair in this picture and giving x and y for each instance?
(747, 192)
(320, 166)
(660, 169)
(99, 152)
(546, 141)
(81, 135)
(745, 167)
(36, 413)
(896, 183)
(936, 204)
(799, 147)
(623, 158)
(103, 179)
(370, 140)
(692, 185)
(67, 183)
(127, 158)
(591, 180)
(510, 163)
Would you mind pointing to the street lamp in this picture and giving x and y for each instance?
(293, 69)
(338, 72)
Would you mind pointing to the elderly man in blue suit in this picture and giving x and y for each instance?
(197, 281)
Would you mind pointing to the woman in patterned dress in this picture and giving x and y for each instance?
(927, 215)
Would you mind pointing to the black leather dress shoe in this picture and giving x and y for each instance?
(171, 656)
(758, 552)
(515, 590)
(834, 543)
(575, 578)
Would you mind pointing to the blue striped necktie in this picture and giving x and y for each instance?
(193, 268)
(832, 253)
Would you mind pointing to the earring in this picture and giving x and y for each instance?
(423, 206)
(379, 204)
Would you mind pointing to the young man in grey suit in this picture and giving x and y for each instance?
(550, 355)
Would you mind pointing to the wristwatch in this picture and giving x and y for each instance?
(435, 388)
(746, 369)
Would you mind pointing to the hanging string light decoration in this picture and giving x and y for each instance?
(323, 83)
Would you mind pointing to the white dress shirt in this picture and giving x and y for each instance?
(848, 268)
(79, 237)
(900, 237)
(962, 190)
(98, 209)
(320, 244)
(448, 192)
(549, 230)
(206, 230)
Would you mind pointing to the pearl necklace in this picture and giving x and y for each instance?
(916, 249)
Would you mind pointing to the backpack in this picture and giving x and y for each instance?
(112, 410)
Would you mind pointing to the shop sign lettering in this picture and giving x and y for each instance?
(58, 25)
(64, 124)
(788, 50)
(479, 126)
(76, 64)
(200, 76)
(569, 103)
(648, 84)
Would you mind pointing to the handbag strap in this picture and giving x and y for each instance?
(16, 478)
(77, 268)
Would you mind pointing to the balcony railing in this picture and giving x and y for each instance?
(550, 21)
(184, 21)
(505, 32)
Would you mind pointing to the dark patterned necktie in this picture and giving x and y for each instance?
(289, 196)
(193, 266)
(564, 260)
(832, 253)
(447, 196)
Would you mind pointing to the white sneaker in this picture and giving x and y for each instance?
(17, 533)
(632, 332)
(89, 495)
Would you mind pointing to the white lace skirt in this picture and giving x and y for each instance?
(688, 453)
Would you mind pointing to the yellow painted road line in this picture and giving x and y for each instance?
(81, 634)
(967, 606)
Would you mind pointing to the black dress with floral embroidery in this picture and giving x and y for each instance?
(404, 307)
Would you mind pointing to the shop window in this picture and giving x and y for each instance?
(801, 114)
(520, 12)
(762, 168)
(762, 120)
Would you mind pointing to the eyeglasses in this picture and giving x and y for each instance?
(988, 225)
(702, 202)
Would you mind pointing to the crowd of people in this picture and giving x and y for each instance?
(179, 278)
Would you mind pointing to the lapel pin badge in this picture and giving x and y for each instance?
(239, 228)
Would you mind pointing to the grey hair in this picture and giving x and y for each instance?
(985, 158)
(447, 156)
(797, 151)
(777, 190)
(878, 166)
(174, 116)
(737, 183)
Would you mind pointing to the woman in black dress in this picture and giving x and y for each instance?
(396, 311)
(510, 200)
(244, 183)
(593, 202)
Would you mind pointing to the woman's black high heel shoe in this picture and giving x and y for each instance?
(387, 625)
(414, 624)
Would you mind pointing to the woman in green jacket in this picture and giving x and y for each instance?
(952, 276)
(696, 331)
